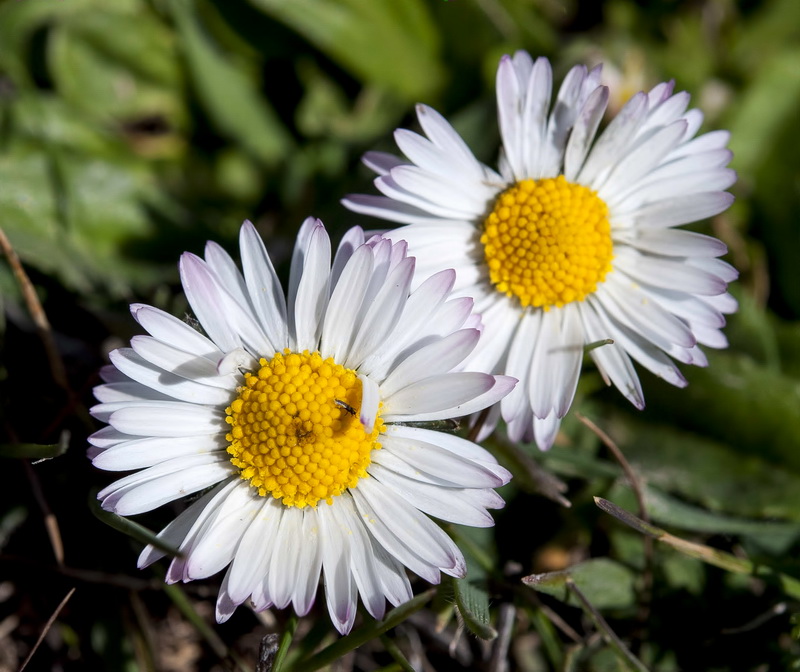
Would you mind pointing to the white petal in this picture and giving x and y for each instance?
(435, 358)
(413, 528)
(509, 101)
(545, 430)
(131, 364)
(150, 488)
(207, 303)
(183, 364)
(556, 362)
(228, 274)
(342, 311)
(448, 391)
(340, 588)
(362, 562)
(442, 134)
(583, 133)
(631, 306)
(249, 565)
(613, 142)
(129, 391)
(383, 207)
(238, 318)
(381, 162)
(383, 314)
(431, 463)
(146, 452)
(107, 437)
(174, 533)
(310, 564)
(613, 363)
(169, 329)
(168, 419)
(217, 542)
(673, 242)
(177, 570)
(353, 238)
(668, 273)
(692, 208)
(538, 90)
(285, 560)
(645, 156)
(370, 402)
(450, 504)
(263, 286)
(235, 361)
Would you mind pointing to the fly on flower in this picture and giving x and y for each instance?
(574, 240)
(306, 461)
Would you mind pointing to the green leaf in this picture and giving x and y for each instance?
(134, 530)
(72, 216)
(776, 537)
(738, 401)
(229, 96)
(19, 22)
(605, 583)
(714, 474)
(108, 71)
(765, 106)
(32, 451)
(473, 605)
(364, 634)
(726, 561)
(391, 44)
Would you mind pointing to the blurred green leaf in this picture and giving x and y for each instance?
(766, 105)
(70, 216)
(31, 451)
(390, 44)
(683, 572)
(715, 475)
(769, 29)
(230, 98)
(736, 401)
(47, 119)
(326, 112)
(712, 556)
(20, 21)
(605, 583)
(10, 521)
(776, 537)
(108, 71)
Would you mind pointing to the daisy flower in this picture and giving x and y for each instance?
(573, 240)
(288, 416)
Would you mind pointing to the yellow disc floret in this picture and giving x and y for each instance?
(295, 432)
(548, 242)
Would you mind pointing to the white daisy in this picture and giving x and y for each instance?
(303, 460)
(573, 241)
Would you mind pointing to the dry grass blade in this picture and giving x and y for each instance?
(37, 313)
(646, 592)
(50, 521)
(609, 635)
(46, 628)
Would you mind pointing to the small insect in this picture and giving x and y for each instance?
(345, 406)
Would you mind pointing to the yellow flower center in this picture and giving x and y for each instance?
(295, 432)
(548, 242)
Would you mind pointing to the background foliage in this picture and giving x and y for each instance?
(134, 130)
